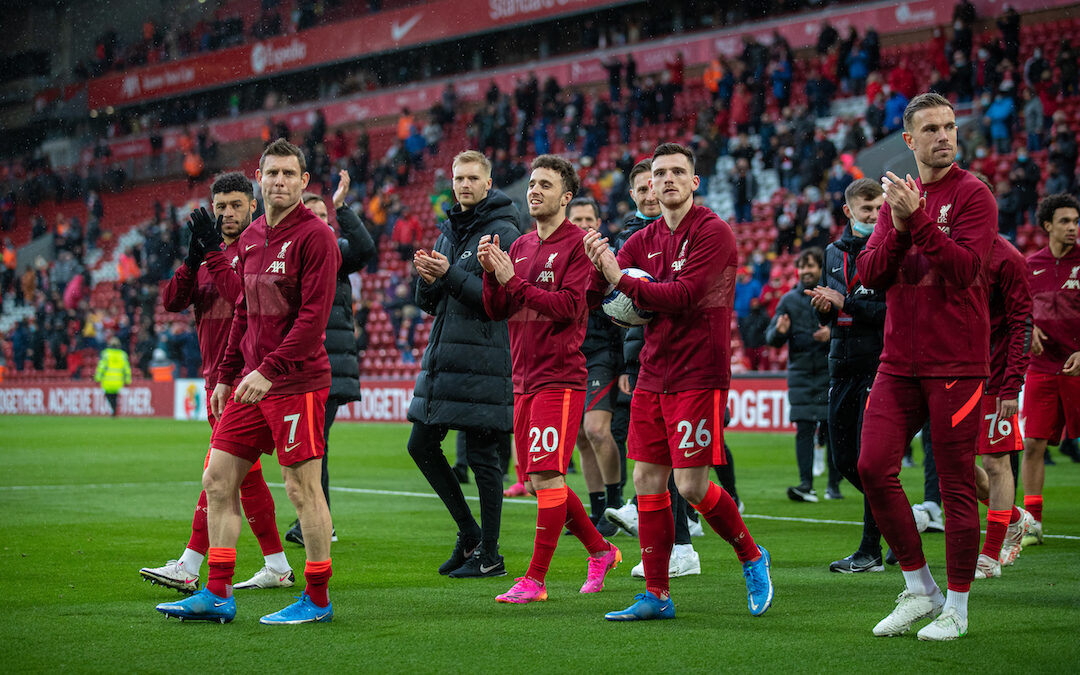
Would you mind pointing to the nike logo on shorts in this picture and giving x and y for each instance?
(689, 454)
(290, 448)
(949, 385)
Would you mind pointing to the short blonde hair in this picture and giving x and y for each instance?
(473, 157)
(309, 197)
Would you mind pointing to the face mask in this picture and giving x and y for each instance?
(863, 229)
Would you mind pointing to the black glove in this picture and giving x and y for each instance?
(205, 230)
(195, 254)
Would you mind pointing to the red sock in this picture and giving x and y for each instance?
(1015, 515)
(258, 506)
(318, 576)
(582, 526)
(656, 532)
(1033, 504)
(222, 563)
(996, 524)
(200, 537)
(720, 511)
(550, 517)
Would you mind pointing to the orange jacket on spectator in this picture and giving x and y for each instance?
(127, 269)
(193, 165)
(9, 258)
(404, 126)
(713, 74)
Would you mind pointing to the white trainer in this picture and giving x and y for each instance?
(268, 578)
(922, 518)
(625, 517)
(684, 562)
(937, 521)
(948, 626)
(1034, 535)
(1014, 536)
(172, 574)
(987, 567)
(695, 527)
(909, 609)
(818, 467)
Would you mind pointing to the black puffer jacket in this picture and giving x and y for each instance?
(357, 248)
(464, 380)
(808, 359)
(633, 338)
(857, 332)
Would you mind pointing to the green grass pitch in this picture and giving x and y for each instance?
(87, 502)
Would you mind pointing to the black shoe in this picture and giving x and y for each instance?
(833, 492)
(890, 558)
(461, 472)
(802, 493)
(463, 550)
(858, 562)
(294, 534)
(607, 528)
(480, 565)
(1048, 460)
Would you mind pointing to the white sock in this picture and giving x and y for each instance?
(958, 601)
(192, 560)
(278, 562)
(921, 582)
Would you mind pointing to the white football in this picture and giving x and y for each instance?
(622, 309)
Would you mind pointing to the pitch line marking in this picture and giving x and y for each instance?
(424, 495)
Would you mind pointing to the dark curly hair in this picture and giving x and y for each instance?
(562, 167)
(1051, 203)
(233, 181)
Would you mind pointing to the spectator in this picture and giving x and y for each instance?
(752, 331)
(1009, 25)
(797, 324)
(407, 234)
(1066, 62)
(999, 115)
(404, 316)
(1056, 182)
(1063, 150)
(1035, 66)
(1010, 211)
(962, 77)
(1025, 175)
(894, 110)
(745, 189)
(1033, 120)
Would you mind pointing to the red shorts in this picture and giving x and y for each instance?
(998, 435)
(213, 422)
(1051, 405)
(293, 423)
(681, 429)
(546, 426)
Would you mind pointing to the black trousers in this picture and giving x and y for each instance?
(482, 454)
(847, 400)
(328, 421)
(113, 403)
(805, 433)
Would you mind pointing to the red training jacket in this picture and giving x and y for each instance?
(1010, 319)
(1055, 295)
(289, 273)
(546, 308)
(937, 323)
(213, 291)
(688, 342)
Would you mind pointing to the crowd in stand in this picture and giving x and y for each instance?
(749, 116)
